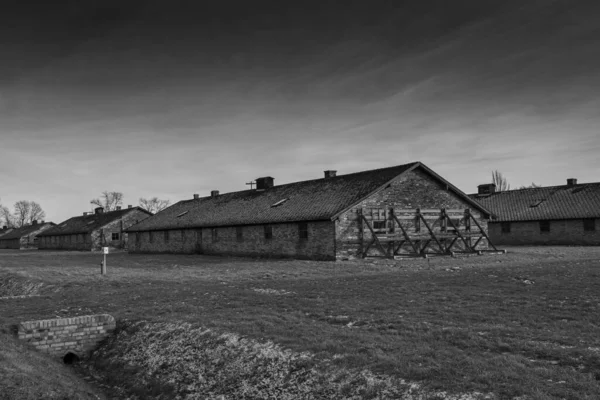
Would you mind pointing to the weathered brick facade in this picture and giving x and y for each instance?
(25, 237)
(334, 238)
(562, 232)
(285, 241)
(412, 190)
(98, 237)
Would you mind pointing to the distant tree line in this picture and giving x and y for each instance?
(111, 200)
(502, 183)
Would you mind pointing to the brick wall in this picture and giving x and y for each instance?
(562, 232)
(77, 335)
(284, 243)
(97, 238)
(415, 189)
(80, 241)
(26, 241)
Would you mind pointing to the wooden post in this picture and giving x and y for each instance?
(360, 232)
(103, 268)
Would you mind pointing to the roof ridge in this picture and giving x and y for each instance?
(308, 180)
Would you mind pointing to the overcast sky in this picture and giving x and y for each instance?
(171, 98)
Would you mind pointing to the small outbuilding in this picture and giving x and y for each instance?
(553, 215)
(406, 210)
(93, 230)
(26, 237)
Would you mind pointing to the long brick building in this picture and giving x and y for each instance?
(91, 231)
(26, 237)
(407, 209)
(555, 215)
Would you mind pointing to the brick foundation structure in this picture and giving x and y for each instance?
(59, 337)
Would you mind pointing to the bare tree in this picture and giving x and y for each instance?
(25, 213)
(36, 212)
(109, 200)
(6, 217)
(22, 211)
(500, 181)
(154, 204)
(533, 185)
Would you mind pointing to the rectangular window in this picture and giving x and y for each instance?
(505, 227)
(239, 233)
(151, 236)
(215, 235)
(166, 236)
(303, 230)
(379, 220)
(379, 226)
(268, 232)
(589, 225)
(544, 226)
(115, 236)
(138, 236)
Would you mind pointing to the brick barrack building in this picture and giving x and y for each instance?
(91, 231)
(396, 211)
(26, 237)
(555, 215)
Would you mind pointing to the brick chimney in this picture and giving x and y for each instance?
(196, 196)
(34, 222)
(5, 227)
(118, 208)
(486, 188)
(571, 182)
(214, 193)
(264, 183)
(129, 206)
(330, 173)
(98, 210)
(85, 213)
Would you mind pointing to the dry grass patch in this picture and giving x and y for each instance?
(524, 325)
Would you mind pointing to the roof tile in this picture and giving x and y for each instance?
(545, 203)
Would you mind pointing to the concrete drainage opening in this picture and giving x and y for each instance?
(71, 358)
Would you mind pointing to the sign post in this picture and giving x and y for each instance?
(103, 269)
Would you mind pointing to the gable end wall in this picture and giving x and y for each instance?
(414, 189)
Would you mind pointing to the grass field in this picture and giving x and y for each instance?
(521, 325)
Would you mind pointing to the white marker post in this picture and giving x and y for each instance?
(103, 269)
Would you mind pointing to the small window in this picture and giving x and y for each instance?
(115, 236)
(151, 234)
(239, 233)
(303, 230)
(544, 226)
(166, 236)
(379, 226)
(505, 227)
(215, 235)
(280, 202)
(138, 236)
(589, 225)
(268, 232)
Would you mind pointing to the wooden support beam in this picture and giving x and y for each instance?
(482, 232)
(458, 233)
(404, 233)
(375, 238)
(431, 233)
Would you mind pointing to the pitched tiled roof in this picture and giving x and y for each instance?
(17, 233)
(88, 223)
(545, 203)
(4, 231)
(318, 199)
